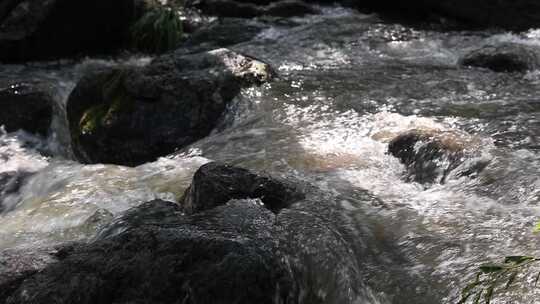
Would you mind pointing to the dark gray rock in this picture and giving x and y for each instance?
(235, 251)
(36, 29)
(505, 57)
(26, 105)
(430, 156)
(132, 116)
(513, 15)
(17, 265)
(224, 255)
(223, 32)
(6, 6)
(229, 8)
(289, 8)
(215, 184)
(313, 237)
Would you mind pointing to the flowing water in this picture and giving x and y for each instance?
(347, 85)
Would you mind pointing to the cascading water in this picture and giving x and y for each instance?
(348, 85)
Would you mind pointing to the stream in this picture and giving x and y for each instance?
(348, 83)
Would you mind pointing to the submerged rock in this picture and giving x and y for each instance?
(250, 9)
(229, 8)
(289, 8)
(430, 156)
(27, 106)
(505, 57)
(134, 115)
(228, 251)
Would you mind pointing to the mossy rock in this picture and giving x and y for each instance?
(108, 101)
(116, 101)
(130, 116)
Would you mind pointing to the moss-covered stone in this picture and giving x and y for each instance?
(130, 116)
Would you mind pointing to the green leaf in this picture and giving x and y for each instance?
(491, 268)
(464, 298)
(518, 259)
(159, 30)
(536, 228)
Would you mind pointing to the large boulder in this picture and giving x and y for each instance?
(229, 251)
(134, 115)
(26, 105)
(514, 15)
(224, 255)
(504, 57)
(39, 29)
(431, 156)
(310, 230)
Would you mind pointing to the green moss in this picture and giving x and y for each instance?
(92, 118)
(116, 96)
(159, 30)
(115, 101)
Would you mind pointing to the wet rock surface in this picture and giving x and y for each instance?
(224, 255)
(236, 252)
(505, 57)
(221, 33)
(26, 105)
(132, 116)
(431, 156)
(17, 265)
(244, 9)
(215, 184)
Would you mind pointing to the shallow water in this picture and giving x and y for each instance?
(348, 84)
